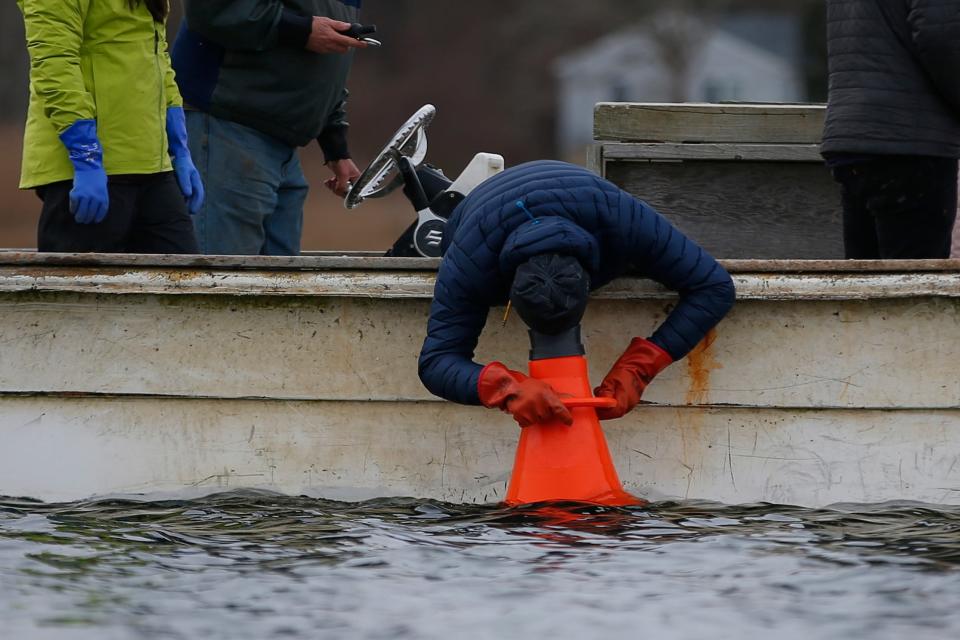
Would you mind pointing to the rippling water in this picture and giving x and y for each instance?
(255, 565)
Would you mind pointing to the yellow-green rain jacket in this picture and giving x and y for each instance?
(104, 60)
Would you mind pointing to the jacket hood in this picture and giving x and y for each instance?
(550, 234)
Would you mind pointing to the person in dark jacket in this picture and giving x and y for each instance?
(543, 234)
(892, 133)
(261, 78)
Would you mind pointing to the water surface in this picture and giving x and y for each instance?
(255, 565)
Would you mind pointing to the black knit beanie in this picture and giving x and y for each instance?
(550, 292)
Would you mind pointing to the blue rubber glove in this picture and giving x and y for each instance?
(187, 175)
(89, 199)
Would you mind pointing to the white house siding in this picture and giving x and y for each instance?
(626, 66)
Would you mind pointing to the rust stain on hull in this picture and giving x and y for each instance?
(700, 363)
(690, 422)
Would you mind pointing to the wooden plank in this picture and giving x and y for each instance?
(595, 159)
(755, 280)
(807, 286)
(381, 284)
(29, 263)
(755, 210)
(640, 151)
(737, 123)
(332, 260)
(340, 254)
(842, 266)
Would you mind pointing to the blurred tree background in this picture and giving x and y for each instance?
(488, 67)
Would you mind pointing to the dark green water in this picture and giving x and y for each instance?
(254, 565)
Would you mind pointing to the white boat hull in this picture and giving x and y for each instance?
(822, 386)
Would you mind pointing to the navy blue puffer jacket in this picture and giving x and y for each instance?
(549, 206)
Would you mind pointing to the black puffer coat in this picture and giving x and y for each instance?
(894, 77)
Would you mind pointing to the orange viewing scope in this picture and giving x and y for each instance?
(570, 463)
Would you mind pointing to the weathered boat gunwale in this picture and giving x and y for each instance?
(314, 262)
(377, 277)
(375, 262)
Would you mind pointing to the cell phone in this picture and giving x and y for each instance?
(362, 32)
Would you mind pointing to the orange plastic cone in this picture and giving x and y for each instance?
(559, 462)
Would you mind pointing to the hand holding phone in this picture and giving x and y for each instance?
(361, 33)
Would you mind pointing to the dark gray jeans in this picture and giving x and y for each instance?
(898, 207)
(255, 189)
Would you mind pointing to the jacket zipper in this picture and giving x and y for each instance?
(156, 62)
(523, 207)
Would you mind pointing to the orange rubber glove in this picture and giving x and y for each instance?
(630, 375)
(528, 400)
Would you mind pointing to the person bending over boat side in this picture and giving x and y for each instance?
(544, 234)
(106, 142)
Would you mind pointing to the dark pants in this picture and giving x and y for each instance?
(147, 215)
(255, 189)
(898, 207)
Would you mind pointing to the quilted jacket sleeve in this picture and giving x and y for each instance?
(446, 361)
(935, 29)
(664, 254)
